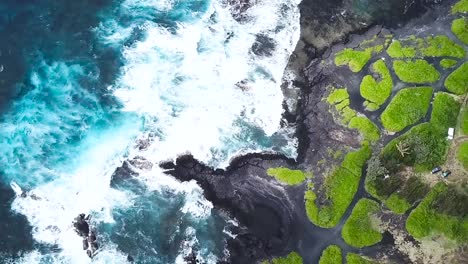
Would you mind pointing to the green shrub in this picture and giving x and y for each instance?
(340, 187)
(424, 221)
(292, 258)
(448, 63)
(407, 107)
(331, 255)
(366, 127)
(358, 231)
(460, 29)
(352, 258)
(457, 81)
(397, 204)
(285, 175)
(463, 154)
(460, 7)
(374, 91)
(418, 71)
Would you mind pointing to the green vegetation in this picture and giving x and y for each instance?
(438, 46)
(464, 122)
(460, 29)
(285, 175)
(442, 46)
(418, 71)
(397, 204)
(407, 107)
(368, 129)
(377, 92)
(428, 220)
(292, 258)
(463, 154)
(356, 59)
(358, 230)
(339, 187)
(395, 50)
(352, 258)
(457, 81)
(460, 7)
(448, 63)
(349, 117)
(331, 255)
(445, 112)
(337, 96)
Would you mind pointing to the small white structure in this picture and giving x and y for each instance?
(450, 133)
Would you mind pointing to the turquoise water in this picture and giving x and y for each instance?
(83, 81)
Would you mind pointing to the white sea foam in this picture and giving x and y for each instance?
(182, 83)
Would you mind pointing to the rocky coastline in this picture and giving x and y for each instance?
(272, 216)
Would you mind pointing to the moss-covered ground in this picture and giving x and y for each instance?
(352, 258)
(375, 91)
(287, 176)
(339, 187)
(460, 29)
(356, 59)
(418, 71)
(407, 107)
(350, 118)
(447, 63)
(464, 121)
(457, 81)
(292, 258)
(462, 154)
(331, 255)
(358, 231)
(460, 7)
(442, 212)
(437, 46)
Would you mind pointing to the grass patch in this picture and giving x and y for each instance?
(457, 81)
(340, 187)
(292, 258)
(358, 231)
(427, 221)
(426, 143)
(367, 128)
(396, 50)
(437, 46)
(356, 59)
(460, 7)
(397, 204)
(442, 46)
(331, 255)
(352, 258)
(374, 91)
(462, 154)
(285, 175)
(464, 123)
(445, 111)
(460, 29)
(348, 117)
(407, 107)
(448, 63)
(418, 71)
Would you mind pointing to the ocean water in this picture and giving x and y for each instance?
(82, 82)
